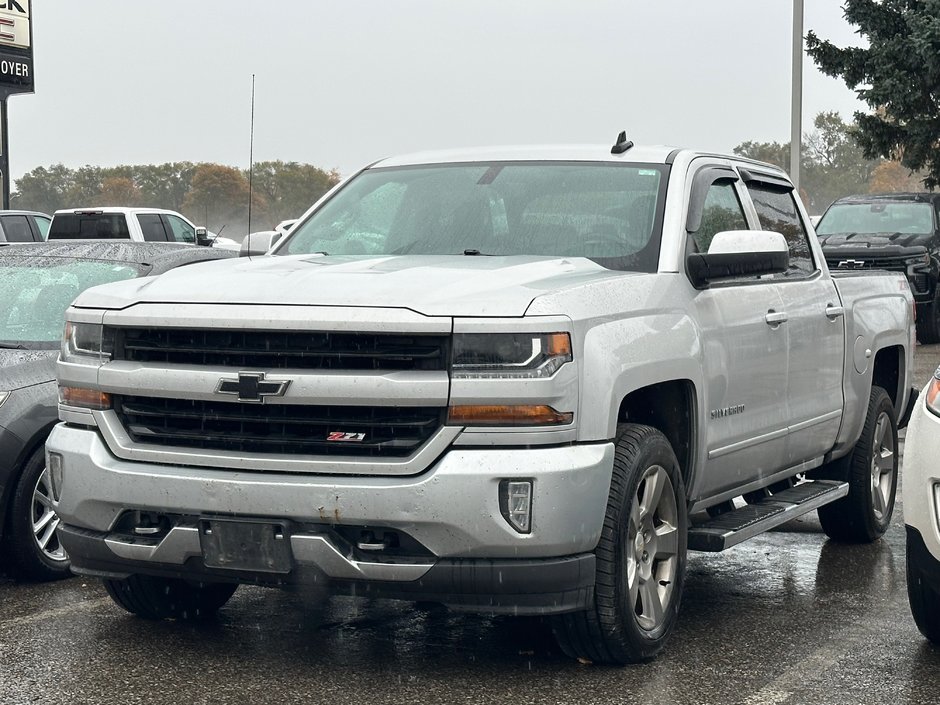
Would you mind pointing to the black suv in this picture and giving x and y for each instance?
(896, 231)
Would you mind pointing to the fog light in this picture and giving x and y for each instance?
(515, 502)
(54, 466)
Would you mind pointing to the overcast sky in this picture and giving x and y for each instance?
(343, 82)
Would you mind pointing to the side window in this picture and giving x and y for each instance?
(16, 228)
(777, 211)
(42, 222)
(180, 230)
(722, 211)
(152, 227)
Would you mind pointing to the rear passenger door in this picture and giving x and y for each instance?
(151, 225)
(814, 322)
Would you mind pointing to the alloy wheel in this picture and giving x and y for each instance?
(45, 521)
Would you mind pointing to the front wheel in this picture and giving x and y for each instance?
(34, 542)
(640, 558)
(169, 598)
(871, 470)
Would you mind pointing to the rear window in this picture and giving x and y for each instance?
(89, 226)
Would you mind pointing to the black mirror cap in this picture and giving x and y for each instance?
(202, 237)
(704, 268)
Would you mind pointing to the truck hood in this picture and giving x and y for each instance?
(873, 240)
(429, 284)
(24, 368)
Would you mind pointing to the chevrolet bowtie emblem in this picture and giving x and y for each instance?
(252, 387)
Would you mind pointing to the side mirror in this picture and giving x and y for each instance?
(202, 237)
(739, 253)
(259, 243)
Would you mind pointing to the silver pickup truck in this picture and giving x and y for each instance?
(520, 381)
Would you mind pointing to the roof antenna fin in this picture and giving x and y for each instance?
(622, 145)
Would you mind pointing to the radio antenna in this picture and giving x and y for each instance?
(251, 149)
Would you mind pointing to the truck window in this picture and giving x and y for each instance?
(152, 227)
(722, 211)
(16, 228)
(42, 223)
(89, 226)
(777, 211)
(180, 230)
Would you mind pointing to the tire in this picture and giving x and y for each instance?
(871, 470)
(924, 597)
(928, 321)
(34, 546)
(640, 558)
(169, 598)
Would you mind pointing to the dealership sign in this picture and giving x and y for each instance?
(16, 47)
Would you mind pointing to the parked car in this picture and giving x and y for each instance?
(895, 231)
(37, 284)
(23, 226)
(135, 224)
(921, 495)
(498, 379)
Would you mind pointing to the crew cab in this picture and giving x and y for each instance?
(513, 380)
(117, 223)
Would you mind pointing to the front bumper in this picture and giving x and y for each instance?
(470, 554)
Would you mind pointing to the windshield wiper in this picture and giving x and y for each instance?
(476, 253)
(12, 346)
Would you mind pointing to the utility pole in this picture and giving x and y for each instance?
(796, 95)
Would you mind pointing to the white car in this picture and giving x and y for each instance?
(921, 497)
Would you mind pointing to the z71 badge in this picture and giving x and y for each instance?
(343, 436)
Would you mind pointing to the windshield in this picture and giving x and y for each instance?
(870, 218)
(607, 212)
(37, 290)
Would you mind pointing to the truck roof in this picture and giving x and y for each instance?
(657, 154)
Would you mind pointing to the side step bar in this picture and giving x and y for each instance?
(736, 526)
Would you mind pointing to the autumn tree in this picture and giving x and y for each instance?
(218, 196)
(119, 189)
(897, 76)
(43, 189)
(894, 177)
(289, 188)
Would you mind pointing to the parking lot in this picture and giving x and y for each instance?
(787, 617)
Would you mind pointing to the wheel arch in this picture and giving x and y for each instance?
(37, 440)
(671, 407)
(888, 372)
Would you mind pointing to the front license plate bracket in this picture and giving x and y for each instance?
(255, 546)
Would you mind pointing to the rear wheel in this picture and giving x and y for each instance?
(169, 598)
(640, 558)
(871, 470)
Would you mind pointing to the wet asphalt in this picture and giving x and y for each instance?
(785, 618)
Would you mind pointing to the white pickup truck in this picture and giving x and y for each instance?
(519, 380)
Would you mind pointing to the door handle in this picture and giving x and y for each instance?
(775, 318)
(834, 312)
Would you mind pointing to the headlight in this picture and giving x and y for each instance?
(933, 393)
(512, 355)
(86, 343)
(3, 397)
